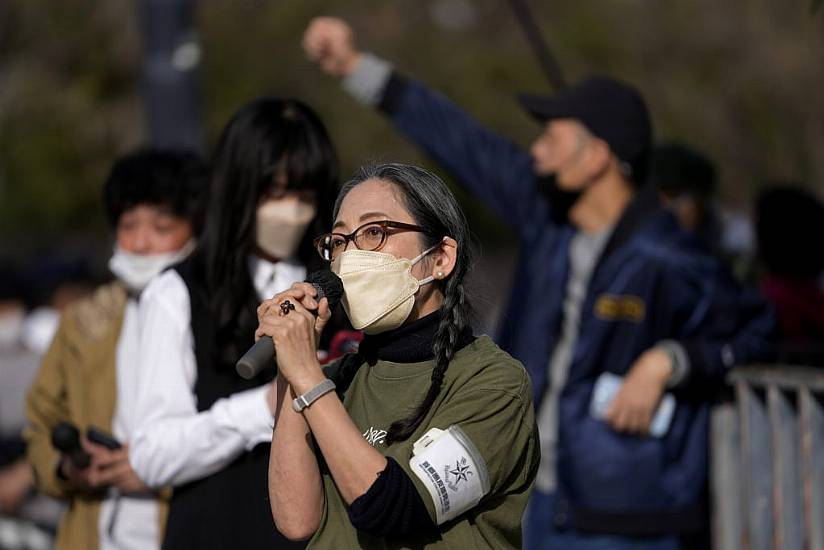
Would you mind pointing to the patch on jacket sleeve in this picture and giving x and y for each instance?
(610, 307)
(451, 469)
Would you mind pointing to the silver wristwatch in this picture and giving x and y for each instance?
(302, 401)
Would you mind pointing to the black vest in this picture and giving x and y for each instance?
(228, 509)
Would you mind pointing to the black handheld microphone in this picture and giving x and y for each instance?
(66, 439)
(328, 285)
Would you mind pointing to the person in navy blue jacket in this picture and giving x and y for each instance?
(608, 285)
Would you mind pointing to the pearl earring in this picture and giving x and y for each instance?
(439, 275)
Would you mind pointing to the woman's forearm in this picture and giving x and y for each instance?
(295, 489)
(353, 463)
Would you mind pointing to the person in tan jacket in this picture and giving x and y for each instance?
(154, 202)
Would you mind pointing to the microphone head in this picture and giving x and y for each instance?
(65, 437)
(328, 285)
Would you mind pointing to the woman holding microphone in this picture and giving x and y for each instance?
(426, 437)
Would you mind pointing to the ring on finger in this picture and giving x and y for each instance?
(286, 306)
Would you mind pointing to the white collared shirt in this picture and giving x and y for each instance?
(127, 522)
(269, 278)
(173, 443)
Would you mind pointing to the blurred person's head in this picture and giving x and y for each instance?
(597, 129)
(59, 279)
(401, 245)
(686, 183)
(274, 172)
(154, 203)
(789, 220)
(12, 305)
(56, 283)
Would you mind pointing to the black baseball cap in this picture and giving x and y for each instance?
(612, 110)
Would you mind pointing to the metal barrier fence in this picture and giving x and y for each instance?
(767, 461)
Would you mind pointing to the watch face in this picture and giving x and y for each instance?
(302, 401)
(298, 404)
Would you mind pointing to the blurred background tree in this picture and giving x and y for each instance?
(741, 80)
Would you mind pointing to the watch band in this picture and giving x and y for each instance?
(302, 401)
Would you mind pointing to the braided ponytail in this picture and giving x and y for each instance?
(432, 205)
(454, 319)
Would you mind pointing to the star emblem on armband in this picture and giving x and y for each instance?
(461, 470)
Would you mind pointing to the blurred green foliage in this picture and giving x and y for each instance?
(741, 80)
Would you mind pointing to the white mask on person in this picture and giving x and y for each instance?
(136, 270)
(378, 288)
(281, 224)
(11, 328)
(39, 329)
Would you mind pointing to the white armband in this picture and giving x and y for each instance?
(451, 469)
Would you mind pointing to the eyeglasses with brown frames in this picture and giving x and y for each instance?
(370, 236)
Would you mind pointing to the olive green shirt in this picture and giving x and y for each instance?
(487, 395)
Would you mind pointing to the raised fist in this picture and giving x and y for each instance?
(329, 42)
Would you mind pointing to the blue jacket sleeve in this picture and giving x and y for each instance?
(722, 324)
(490, 167)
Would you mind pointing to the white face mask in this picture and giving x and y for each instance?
(281, 224)
(39, 329)
(11, 328)
(378, 289)
(136, 270)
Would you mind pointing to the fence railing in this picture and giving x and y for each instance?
(767, 461)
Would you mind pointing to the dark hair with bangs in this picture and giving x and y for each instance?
(263, 137)
(176, 179)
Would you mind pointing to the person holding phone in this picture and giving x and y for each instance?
(154, 202)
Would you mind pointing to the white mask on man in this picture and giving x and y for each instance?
(281, 224)
(136, 270)
(11, 328)
(39, 329)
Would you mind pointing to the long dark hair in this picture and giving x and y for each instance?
(263, 136)
(433, 207)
